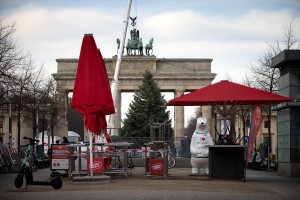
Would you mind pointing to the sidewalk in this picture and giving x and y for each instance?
(179, 184)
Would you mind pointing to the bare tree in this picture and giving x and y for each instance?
(11, 56)
(46, 104)
(264, 76)
(56, 107)
(20, 91)
(33, 98)
(290, 39)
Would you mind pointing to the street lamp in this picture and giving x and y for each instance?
(48, 135)
(9, 125)
(9, 120)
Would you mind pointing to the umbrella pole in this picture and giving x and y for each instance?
(101, 136)
(91, 153)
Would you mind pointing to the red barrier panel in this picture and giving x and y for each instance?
(97, 165)
(157, 167)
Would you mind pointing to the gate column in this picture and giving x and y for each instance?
(179, 121)
(116, 118)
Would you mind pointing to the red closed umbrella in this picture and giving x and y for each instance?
(92, 95)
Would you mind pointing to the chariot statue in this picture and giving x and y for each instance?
(134, 45)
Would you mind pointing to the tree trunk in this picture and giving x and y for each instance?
(33, 125)
(244, 128)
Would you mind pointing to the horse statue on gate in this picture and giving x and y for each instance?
(118, 45)
(149, 47)
(128, 47)
(140, 47)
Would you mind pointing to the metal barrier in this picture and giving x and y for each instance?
(9, 159)
(179, 146)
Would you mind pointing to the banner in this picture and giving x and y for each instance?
(254, 128)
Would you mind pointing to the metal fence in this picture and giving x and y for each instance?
(9, 159)
(179, 146)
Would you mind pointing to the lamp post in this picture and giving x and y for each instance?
(9, 120)
(9, 126)
(48, 133)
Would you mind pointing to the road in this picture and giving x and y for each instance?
(178, 185)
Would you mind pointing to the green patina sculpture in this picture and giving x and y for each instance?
(118, 43)
(149, 47)
(134, 45)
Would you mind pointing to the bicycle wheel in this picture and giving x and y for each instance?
(33, 167)
(56, 182)
(19, 181)
(171, 162)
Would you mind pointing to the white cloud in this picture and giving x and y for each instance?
(53, 32)
(57, 33)
(232, 42)
(191, 26)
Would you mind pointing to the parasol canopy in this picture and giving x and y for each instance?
(227, 93)
(92, 95)
(225, 96)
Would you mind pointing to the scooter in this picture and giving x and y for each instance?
(26, 169)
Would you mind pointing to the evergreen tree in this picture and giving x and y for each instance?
(148, 104)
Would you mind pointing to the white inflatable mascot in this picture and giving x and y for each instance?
(199, 149)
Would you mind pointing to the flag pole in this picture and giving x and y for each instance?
(115, 81)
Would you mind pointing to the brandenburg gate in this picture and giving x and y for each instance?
(177, 75)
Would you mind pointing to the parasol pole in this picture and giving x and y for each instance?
(91, 152)
(115, 81)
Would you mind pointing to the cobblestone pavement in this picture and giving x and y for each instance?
(178, 185)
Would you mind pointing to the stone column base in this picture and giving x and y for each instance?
(289, 169)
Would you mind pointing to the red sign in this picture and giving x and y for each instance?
(97, 165)
(254, 128)
(60, 157)
(60, 151)
(157, 167)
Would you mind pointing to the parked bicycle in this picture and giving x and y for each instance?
(171, 159)
(119, 164)
(26, 170)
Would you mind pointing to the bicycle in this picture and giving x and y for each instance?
(171, 161)
(26, 170)
(130, 164)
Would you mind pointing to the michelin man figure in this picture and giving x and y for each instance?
(199, 147)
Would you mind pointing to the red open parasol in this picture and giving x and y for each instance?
(92, 95)
(226, 93)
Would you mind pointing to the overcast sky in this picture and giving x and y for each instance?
(231, 32)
